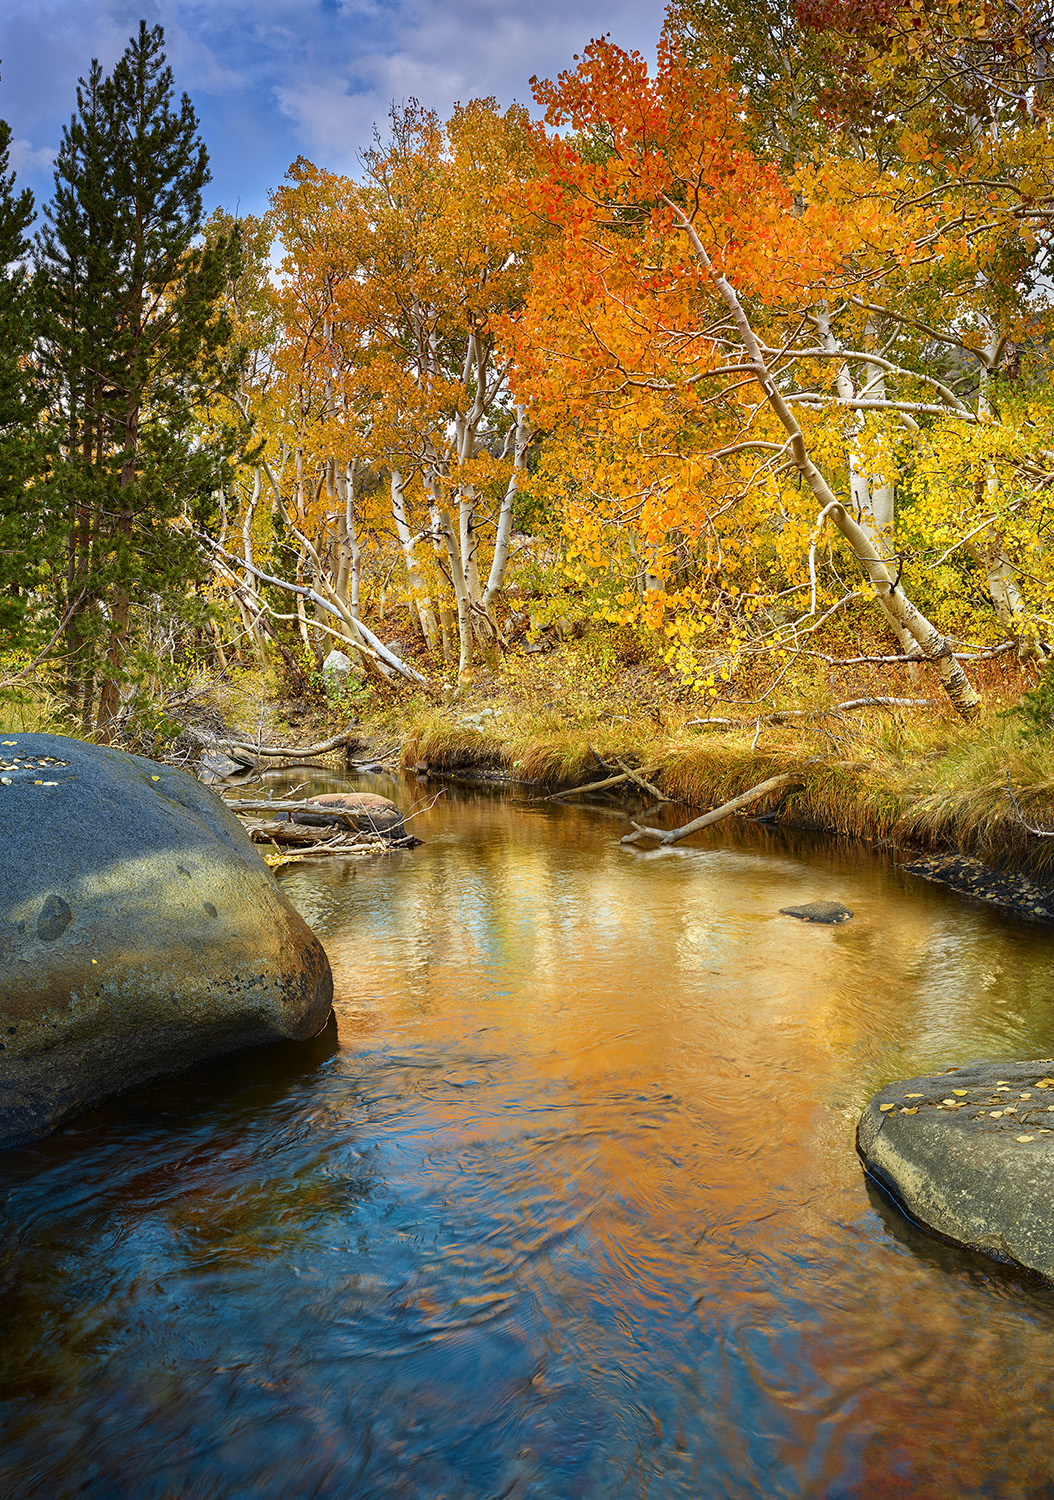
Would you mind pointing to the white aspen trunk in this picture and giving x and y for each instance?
(418, 591)
(352, 531)
(865, 496)
(503, 539)
(882, 494)
(447, 623)
(349, 565)
(301, 613)
(469, 543)
(444, 528)
(252, 624)
(934, 646)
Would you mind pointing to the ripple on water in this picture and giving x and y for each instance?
(566, 1205)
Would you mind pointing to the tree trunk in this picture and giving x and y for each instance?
(891, 596)
(418, 589)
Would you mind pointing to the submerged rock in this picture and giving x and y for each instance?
(140, 931)
(367, 812)
(969, 1154)
(818, 911)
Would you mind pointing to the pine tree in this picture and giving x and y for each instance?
(133, 338)
(20, 445)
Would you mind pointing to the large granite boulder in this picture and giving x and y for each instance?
(969, 1154)
(140, 931)
(364, 812)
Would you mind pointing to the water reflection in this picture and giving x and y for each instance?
(572, 1209)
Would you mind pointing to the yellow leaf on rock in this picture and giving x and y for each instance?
(1024, 1138)
(912, 1111)
(960, 1092)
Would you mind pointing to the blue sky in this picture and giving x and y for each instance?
(273, 79)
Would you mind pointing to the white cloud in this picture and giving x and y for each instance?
(25, 158)
(272, 79)
(439, 53)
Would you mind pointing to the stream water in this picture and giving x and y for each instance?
(566, 1204)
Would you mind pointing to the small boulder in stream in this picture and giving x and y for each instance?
(141, 932)
(362, 811)
(969, 1155)
(818, 911)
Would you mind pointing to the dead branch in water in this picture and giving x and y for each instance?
(653, 791)
(674, 835)
(600, 786)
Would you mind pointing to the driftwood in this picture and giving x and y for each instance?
(783, 716)
(600, 786)
(350, 818)
(674, 835)
(291, 752)
(1040, 833)
(653, 791)
(322, 840)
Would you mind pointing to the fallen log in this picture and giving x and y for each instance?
(784, 715)
(653, 791)
(291, 751)
(674, 835)
(600, 786)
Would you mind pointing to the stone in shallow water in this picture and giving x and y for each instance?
(140, 932)
(969, 1154)
(818, 911)
(366, 811)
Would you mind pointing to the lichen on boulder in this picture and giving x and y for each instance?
(969, 1155)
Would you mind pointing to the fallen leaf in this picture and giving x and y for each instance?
(1024, 1138)
(1024, 1096)
(961, 1092)
(997, 1114)
(155, 778)
(914, 1096)
(912, 1111)
(884, 1107)
(9, 742)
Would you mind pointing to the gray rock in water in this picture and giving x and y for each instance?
(140, 931)
(214, 765)
(818, 911)
(969, 1154)
(365, 811)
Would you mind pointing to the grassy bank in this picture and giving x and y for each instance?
(915, 776)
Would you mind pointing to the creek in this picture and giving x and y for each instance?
(565, 1204)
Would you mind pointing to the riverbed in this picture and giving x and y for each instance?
(565, 1203)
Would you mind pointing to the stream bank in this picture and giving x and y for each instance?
(929, 793)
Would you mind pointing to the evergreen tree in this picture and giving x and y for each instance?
(20, 444)
(133, 334)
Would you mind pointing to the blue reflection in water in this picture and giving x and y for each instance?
(565, 1204)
